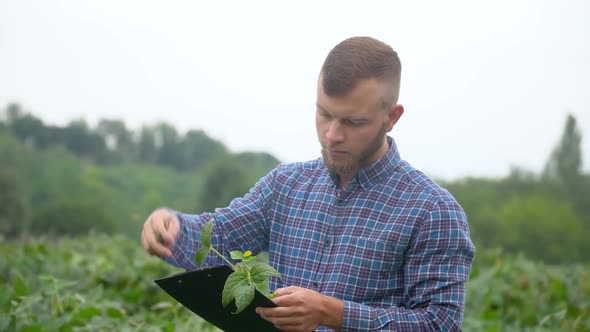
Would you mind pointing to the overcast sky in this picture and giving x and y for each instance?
(485, 85)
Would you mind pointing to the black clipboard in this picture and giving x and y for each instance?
(200, 291)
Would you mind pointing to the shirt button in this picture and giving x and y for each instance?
(327, 242)
(340, 201)
(315, 284)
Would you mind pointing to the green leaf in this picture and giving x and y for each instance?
(262, 271)
(241, 267)
(33, 328)
(236, 254)
(262, 256)
(249, 258)
(235, 280)
(170, 327)
(201, 255)
(87, 313)
(20, 287)
(262, 287)
(206, 233)
(115, 312)
(244, 296)
(12, 324)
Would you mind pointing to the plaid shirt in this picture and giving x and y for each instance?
(394, 246)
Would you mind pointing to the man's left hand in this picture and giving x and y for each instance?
(302, 309)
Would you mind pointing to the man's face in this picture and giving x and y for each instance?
(352, 128)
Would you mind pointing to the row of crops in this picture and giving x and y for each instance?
(100, 283)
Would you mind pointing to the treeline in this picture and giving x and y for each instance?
(70, 179)
(546, 216)
(111, 142)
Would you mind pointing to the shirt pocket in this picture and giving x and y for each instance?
(372, 269)
(374, 256)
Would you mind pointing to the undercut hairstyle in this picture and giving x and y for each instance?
(356, 59)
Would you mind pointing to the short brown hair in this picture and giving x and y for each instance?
(359, 58)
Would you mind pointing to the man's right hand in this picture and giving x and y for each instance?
(164, 223)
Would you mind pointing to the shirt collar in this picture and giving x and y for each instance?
(379, 169)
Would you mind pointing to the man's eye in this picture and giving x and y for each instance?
(353, 122)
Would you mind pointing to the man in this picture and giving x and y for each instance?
(363, 240)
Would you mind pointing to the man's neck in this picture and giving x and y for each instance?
(344, 181)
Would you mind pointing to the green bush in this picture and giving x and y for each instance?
(511, 293)
(93, 283)
(102, 283)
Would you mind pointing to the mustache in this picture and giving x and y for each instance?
(332, 146)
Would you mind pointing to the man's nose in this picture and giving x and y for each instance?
(335, 133)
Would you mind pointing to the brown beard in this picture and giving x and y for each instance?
(353, 164)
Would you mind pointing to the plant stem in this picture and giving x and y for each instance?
(57, 297)
(223, 257)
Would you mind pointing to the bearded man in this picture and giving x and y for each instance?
(364, 241)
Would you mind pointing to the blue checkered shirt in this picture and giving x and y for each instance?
(394, 246)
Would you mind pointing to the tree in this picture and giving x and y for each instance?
(146, 145)
(72, 217)
(563, 172)
(225, 180)
(260, 161)
(565, 162)
(167, 145)
(198, 149)
(13, 112)
(118, 139)
(541, 227)
(14, 208)
(24, 126)
(82, 142)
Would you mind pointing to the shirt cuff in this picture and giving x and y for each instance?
(360, 317)
(179, 249)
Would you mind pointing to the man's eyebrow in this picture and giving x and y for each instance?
(358, 117)
(320, 107)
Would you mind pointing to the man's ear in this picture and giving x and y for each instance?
(393, 115)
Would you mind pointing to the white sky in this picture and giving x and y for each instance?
(485, 85)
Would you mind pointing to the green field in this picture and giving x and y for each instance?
(100, 283)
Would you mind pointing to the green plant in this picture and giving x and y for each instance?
(85, 283)
(249, 274)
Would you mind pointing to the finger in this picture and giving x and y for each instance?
(286, 290)
(288, 324)
(144, 242)
(154, 246)
(157, 248)
(291, 322)
(278, 321)
(147, 229)
(165, 226)
(287, 300)
(160, 226)
(291, 327)
(173, 227)
(272, 313)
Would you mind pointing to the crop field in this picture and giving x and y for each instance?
(100, 283)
